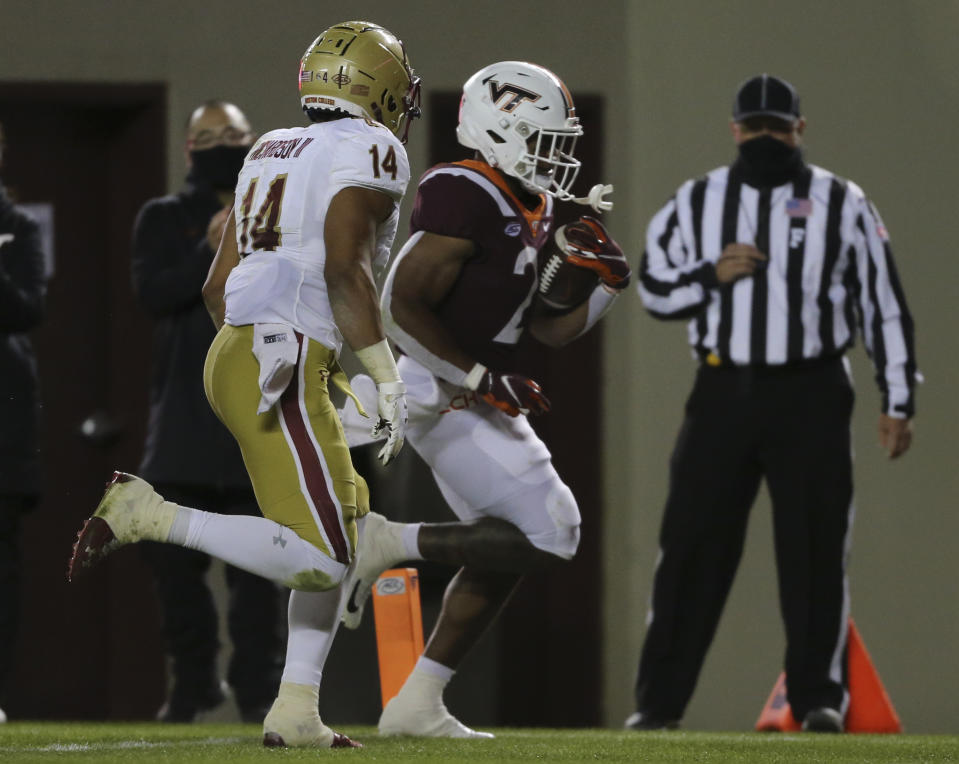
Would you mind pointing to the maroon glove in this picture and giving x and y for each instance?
(512, 393)
(587, 244)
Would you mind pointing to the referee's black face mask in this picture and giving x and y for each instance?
(769, 160)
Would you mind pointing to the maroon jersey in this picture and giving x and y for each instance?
(487, 308)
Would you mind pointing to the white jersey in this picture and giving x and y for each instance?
(283, 193)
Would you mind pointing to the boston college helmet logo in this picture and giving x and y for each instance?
(516, 95)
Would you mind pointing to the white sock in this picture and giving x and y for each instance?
(306, 696)
(181, 526)
(427, 681)
(259, 546)
(410, 535)
(313, 618)
(400, 542)
(434, 668)
(397, 542)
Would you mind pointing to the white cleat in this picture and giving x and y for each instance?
(3, 716)
(129, 511)
(372, 558)
(432, 720)
(287, 726)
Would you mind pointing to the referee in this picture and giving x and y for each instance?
(776, 264)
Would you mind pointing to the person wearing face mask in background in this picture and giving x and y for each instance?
(23, 288)
(189, 455)
(777, 265)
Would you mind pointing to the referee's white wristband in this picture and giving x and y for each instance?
(475, 376)
(379, 362)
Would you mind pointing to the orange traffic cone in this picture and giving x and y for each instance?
(776, 715)
(399, 627)
(870, 709)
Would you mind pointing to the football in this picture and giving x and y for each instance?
(563, 286)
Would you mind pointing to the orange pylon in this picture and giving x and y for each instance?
(870, 709)
(399, 627)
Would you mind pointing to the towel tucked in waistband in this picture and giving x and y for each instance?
(277, 350)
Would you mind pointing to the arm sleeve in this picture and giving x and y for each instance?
(887, 325)
(22, 282)
(672, 284)
(168, 273)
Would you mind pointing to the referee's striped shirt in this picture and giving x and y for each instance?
(830, 270)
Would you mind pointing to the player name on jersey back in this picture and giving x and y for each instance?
(280, 149)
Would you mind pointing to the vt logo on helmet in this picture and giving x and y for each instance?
(362, 69)
(521, 119)
(518, 95)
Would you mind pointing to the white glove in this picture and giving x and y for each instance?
(391, 418)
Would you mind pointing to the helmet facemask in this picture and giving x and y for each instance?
(411, 108)
(548, 165)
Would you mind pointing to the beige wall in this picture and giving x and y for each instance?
(879, 88)
(248, 51)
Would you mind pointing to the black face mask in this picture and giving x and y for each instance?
(768, 161)
(219, 166)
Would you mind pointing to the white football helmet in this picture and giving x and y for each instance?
(521, 119)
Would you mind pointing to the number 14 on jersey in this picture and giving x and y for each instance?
(262, 231)
(265, 233)
(388, 164)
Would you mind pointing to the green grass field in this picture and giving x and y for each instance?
(237, 744)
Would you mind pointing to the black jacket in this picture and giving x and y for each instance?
(22, 292)
(185, 444)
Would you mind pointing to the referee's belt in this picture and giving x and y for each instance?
(710, 360)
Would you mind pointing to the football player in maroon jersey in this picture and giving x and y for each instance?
(456, 302)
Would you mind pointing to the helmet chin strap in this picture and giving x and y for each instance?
(527, 186)
(595, 198)
(535, 186)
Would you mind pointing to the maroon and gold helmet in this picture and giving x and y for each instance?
(362, 69)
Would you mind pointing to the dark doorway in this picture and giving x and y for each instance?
(95, 153)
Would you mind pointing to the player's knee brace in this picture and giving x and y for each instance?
(562, 539)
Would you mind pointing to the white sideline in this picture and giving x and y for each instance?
(118, 745)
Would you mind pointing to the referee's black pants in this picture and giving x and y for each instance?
(790, 425)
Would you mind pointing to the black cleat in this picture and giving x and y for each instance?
(274, 740)
(823, 719)
(644, 722)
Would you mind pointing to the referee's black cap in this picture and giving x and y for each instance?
(765, 95)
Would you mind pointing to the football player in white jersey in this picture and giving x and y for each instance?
(458, 298)
(316, 210)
